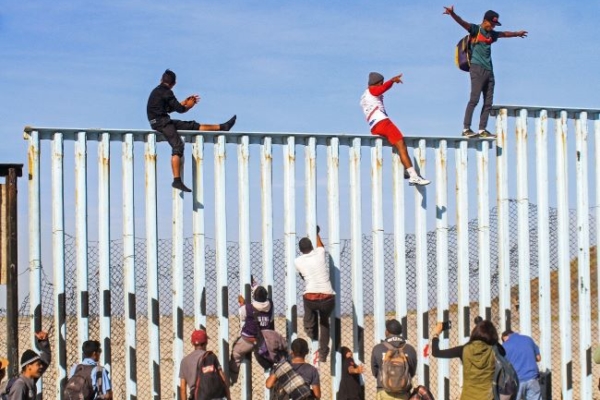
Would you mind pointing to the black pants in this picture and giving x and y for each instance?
(170, 127)
(322, 310)
(482, 82)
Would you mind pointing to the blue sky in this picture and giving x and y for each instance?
(287, 66)
(280, 65)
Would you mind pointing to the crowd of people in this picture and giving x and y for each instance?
(393, 361)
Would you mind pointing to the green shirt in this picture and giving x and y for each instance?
(482, 49)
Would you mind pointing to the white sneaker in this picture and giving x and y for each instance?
(418, 181)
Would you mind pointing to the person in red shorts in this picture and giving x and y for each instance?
(381, 125)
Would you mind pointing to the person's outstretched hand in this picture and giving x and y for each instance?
(397, 79)
(448, 10)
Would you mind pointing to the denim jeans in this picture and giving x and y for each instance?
(529, 390)
(482, 82)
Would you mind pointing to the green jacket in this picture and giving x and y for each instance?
(479, 363)
(596, 356)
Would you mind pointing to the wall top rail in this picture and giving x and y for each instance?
(594, 112)
(46, 133)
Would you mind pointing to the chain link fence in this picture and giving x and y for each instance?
(119, 375)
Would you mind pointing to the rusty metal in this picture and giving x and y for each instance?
(377, 234)
(563, 257)
(289, 233)
(441, 234)
(543, 231)
(422, 340)
(502, 160)
(9, 202)
(583, 255)
(152, 275)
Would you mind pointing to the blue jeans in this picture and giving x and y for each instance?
(529, 390)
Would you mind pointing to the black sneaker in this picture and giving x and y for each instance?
(181, 186)
(468, 133)
(485, 134)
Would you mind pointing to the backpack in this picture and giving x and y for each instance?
(270, 348)
(7, 387)
(289, 385)
(209, 383)
(80, 385)
(506, 381)
(462, 54)
(394, 373)
(421, 393)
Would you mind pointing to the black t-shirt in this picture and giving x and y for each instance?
(161, 102)
(350, 387)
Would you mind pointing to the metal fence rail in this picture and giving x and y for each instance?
(458, 272)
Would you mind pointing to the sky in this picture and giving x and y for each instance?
(280, 65)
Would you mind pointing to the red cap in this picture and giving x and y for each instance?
(199, 337)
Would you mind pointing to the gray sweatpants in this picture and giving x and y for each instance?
(241, 348)
(482, 82)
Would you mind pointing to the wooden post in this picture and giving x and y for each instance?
(11, 172)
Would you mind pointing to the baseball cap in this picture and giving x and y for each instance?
(375, 77)
(492, 16)
(199, 336)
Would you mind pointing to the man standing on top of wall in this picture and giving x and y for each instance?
(481, 71)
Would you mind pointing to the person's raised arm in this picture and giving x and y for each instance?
(450, 11)
(319, 241)
(43, 345)
(509, 34)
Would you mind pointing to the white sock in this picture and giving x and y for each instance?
(411, 171)
(481, 130)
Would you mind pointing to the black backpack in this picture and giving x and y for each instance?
(506, 381)
(9, 384)
(421, 393)
(209, 383)
(80, 385)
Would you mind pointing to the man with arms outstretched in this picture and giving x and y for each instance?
(481, 70)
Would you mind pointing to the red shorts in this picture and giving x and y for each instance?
(387, 129)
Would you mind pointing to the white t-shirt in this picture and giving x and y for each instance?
(373, 108)
(315, 270)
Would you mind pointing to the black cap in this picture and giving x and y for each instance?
(394, 327)
(492, 16)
